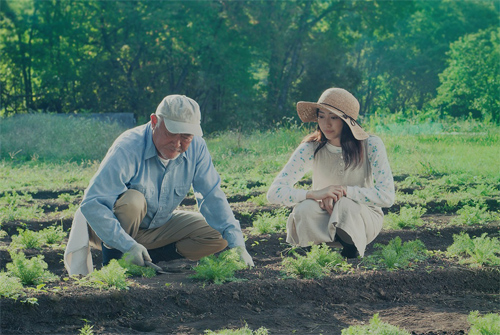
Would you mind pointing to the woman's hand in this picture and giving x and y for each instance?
(327, 196)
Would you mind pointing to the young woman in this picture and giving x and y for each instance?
(351, 178)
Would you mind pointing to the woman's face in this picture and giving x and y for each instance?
(331, 125)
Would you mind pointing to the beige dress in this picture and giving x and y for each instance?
(355, 214)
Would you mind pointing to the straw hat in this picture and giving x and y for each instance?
(338, 101)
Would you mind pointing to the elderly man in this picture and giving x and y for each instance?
(130, 204)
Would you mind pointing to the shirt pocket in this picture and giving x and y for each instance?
(180, 193)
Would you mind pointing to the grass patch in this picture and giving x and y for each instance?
(396, 255)
(241, 331)
(488, 324)
(408, 217)
(317, 263)
(476, 251)
(270, 223)
(10, 286)
(376, 327)
(219, 269)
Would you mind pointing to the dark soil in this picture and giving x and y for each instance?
(433, 297)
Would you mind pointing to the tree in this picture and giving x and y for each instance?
(470, 85)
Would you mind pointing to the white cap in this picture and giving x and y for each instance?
(180, 114)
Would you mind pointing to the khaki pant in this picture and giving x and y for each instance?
(193, 236)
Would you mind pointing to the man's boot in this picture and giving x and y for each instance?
(164, 254)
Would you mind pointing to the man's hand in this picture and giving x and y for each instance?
(138, 254)
(245, 256)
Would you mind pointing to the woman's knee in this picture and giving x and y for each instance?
(307, 207)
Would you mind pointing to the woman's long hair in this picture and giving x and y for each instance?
(352, 150)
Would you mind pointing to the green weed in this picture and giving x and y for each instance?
(10, 287)
(219, 269)
(27, 239)
(31, 271)
(476, 215)
(397, 255)
(408, 217)
(376, 327)
(111, 276)
(488, 324)
(87, 330)
(241, 331)
(270, 223)
(475, 252)
(136, 270)
(317, 263)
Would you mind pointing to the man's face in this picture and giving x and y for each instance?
(168, 145)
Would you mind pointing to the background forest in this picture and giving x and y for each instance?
(248, 62)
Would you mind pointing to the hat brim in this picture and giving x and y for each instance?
(307, 113)
(177, 127)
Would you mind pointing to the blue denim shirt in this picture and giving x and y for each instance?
(132, 163)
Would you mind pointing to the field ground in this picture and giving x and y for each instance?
(433, 297)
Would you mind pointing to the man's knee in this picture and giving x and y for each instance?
(131, 201)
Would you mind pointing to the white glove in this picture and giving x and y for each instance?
(245, 256)
(138, 254)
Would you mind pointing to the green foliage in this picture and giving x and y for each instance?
(111, 276)
(241, 331)
(10, 287)
(470, 84)
(476, 252)
(397, 255)
(17, 207)
(408, 217)
(27, 239)
(31, 271)
(87, 330)
(270, 223)
(470, 216)
(53, 234)
(219, 269)
(136, 270)
(376, 327)
(317, 263)
(488, 324)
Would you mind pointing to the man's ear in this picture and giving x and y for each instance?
(154, 119)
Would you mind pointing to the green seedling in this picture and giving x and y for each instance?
(476, 215)
(241, 331)
(87, 330)
(27, 239)
(31, 271)
(53, 235)
(10, 287)
(259, 200)
(317, 263)
(134, 270)
(270, 223)
(219, 269)
(475, 252)
(397, 255)
(408, 217)
(488, 324)
(111, 276)
(376, 327)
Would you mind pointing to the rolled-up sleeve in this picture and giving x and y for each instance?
(212, 201)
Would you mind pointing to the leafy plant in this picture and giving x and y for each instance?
(270, 223)
(87, 330)
(29, 271)
(259, 200)
(475, 252)
(10, 287)
(317, 263)
(397, 254)
(219, 269)
(488, 324)
(408, 217)
(470, 216)
(136, 270)
(241, 331)
(111, 276)
(27, 239)
(53, 235)
(376, 327)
